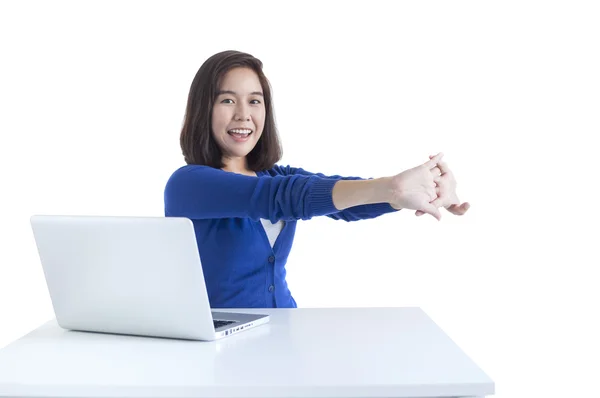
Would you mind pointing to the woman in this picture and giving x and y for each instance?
(244, 206)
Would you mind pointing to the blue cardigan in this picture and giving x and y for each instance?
(240, 267)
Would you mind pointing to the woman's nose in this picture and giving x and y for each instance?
(242, 112)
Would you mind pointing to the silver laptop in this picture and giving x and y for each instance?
(130, 275)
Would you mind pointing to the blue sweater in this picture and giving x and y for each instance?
(240, 267)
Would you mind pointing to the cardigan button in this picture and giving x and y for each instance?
(271, 259)
(271, 288)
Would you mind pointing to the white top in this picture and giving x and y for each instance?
(272, 230)
(361, 352)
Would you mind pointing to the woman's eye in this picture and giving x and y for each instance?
(230, 101)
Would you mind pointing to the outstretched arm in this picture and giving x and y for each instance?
(371, 206)
(202, 192)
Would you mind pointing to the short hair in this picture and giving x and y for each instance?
(197, 143)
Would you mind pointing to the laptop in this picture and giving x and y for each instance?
(130, 275)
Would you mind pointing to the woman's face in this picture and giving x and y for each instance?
(239, 109)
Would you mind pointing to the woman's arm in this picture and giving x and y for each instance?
(373, 204)
(201, 192)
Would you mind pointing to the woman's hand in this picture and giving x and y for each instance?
(446, 192)
(416, 188)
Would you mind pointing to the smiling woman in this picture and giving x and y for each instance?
(230, 92)
(244, 206)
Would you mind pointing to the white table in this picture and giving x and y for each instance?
(342, 352)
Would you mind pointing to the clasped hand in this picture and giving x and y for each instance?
(426, 188)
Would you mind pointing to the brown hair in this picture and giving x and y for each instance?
(197, 143)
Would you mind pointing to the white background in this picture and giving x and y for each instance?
(92, 97)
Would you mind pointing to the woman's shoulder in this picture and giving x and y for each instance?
(194, 168)
(193, 173)
(279, 170)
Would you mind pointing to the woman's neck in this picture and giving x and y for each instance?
(239, 166)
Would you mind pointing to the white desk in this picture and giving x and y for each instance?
(360, 352)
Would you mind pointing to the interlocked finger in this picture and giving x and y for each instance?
(436, 172)
(443, 167)
(432, 194)
(434, 187)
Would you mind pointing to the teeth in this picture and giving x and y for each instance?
(240, 131)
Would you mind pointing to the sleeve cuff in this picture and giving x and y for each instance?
(320, 198)
(381, 208)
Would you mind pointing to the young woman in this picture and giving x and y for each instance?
(244, 206)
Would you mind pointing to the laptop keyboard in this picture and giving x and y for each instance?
(218, 324)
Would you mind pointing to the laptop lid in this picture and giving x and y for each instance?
(128, 275)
